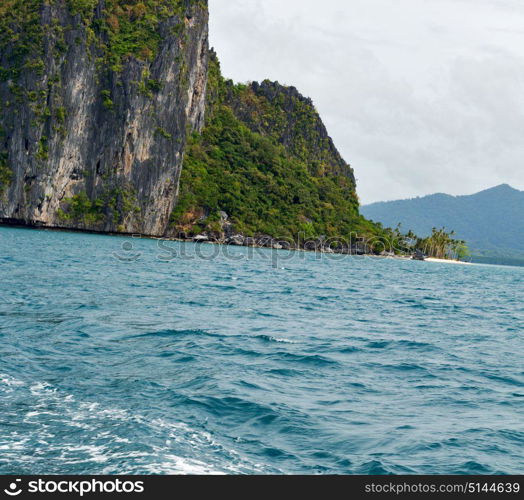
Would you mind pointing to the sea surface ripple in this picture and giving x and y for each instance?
(123, 356)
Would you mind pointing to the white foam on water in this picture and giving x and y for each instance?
(34, 414)
(8, 383)
(182, 466)
(41, 388)
(95, 453)
(280, 340)
(15, 443)
(179, 438)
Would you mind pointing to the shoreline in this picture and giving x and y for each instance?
(400, 257)
(448, 261)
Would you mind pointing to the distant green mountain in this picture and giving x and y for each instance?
(492, 221)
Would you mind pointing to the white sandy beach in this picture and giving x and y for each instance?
(447, 261)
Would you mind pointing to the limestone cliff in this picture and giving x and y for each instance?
(97, 98)
(114, 117)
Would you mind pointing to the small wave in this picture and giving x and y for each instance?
(473, 468)
(249, 385)
(378, 345)
(284, 372)
(397, 344)
(408, 367)
(350, 350)
(308, 359)
(175, 465)
(373, 468)
(230, 405)
(505, 380)
(277, 453)
(173, 333)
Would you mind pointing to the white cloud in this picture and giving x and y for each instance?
(419, 95)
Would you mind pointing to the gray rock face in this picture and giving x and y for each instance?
(111, 140)
(237, 239)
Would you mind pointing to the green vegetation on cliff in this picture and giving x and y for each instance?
(128, 28)
(117, 203)
(265, 159)
(21, 35)
(123, 29)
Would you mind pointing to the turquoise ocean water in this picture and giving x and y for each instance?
(133, 356)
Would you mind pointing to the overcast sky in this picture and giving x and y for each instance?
(420, 96)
